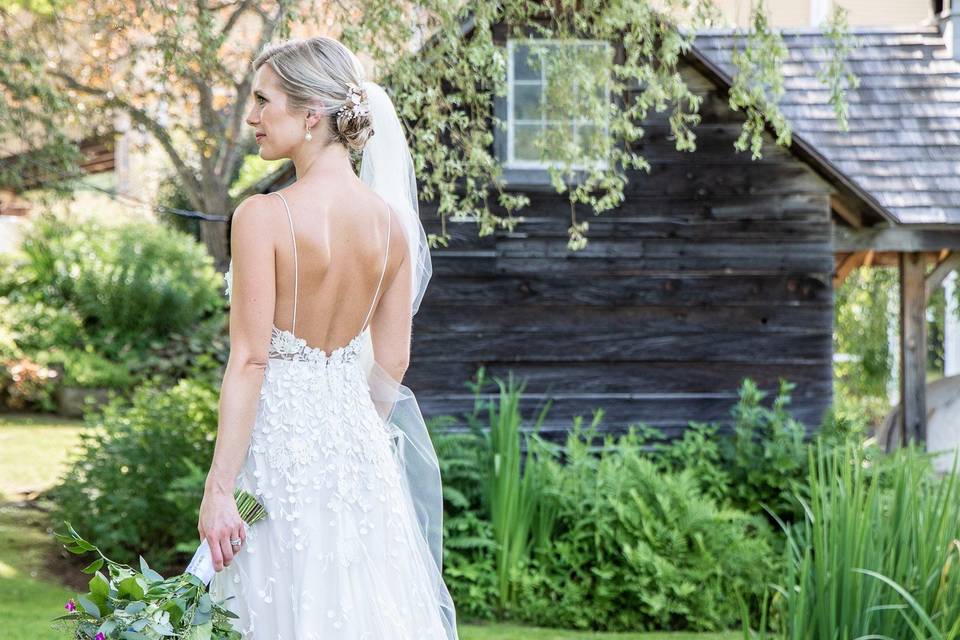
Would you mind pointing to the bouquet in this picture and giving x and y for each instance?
(143, 605)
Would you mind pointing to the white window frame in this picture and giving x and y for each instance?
(511, 161)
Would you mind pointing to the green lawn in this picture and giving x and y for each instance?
(32, 592)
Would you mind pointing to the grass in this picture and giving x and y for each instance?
(33, 451)
(518, 632)
(33, 576)
(30, 596)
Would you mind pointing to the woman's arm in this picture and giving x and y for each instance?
(251, 321)
(391, 324)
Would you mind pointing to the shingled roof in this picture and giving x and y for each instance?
(903, 143)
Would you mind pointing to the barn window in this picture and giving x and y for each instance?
(528, 114)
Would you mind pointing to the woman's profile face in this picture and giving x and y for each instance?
(278, 133)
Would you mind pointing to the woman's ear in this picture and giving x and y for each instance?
(313, 118)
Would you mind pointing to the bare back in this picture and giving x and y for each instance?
(337, 253)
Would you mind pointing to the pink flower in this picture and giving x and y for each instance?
(70, 606)
(100, 636)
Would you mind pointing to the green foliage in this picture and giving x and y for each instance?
(766, 457)
(756, 467)
(469, 546)
(876, 555)
(113, 305)
(116, 486)
(128, 283)
(758, 85)
(126, 603)
(86, 368)
(446, 92)
(864, 308)
(513, 498)
(635, 548)
(836, 75)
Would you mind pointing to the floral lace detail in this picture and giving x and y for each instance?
(286, 346)
(228, 277)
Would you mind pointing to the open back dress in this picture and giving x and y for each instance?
(340, 555)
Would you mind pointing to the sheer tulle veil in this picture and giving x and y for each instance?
(387, 167)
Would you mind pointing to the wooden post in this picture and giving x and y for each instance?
(913, 348)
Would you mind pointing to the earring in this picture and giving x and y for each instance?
(308, 135)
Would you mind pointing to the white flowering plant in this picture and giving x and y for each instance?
(128, 604)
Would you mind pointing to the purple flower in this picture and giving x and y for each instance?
(70, 606)
(100, 636)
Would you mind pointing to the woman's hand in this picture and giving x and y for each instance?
(219, 522)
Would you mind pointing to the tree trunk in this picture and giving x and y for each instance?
(214, 236)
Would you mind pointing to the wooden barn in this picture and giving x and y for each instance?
(716, 267)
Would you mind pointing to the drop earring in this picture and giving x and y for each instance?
(308, 136)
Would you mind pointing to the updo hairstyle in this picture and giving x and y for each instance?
(323, 75)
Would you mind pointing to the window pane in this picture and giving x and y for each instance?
(526, 101)
(590, 139)
(524, 137)
(524, 69)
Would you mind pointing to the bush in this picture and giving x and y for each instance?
(468, 543)
(635, 548)
(84, 368)
(757, 467)
(27, 385)
(128, 283)
(115, 490)
(116, 305)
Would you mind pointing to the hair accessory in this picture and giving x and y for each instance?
(356, 103)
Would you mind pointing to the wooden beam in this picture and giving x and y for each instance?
(901, 238)
(913, 349)
(889, 258)
(846, 267)
(868, 260)
(941, 271)
(853, 218)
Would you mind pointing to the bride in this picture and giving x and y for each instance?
(326, 276)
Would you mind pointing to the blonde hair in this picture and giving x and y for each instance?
(316, 74)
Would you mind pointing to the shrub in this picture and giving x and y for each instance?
(126, 283)
(758, 466)
(102, 298)
(115, 489)
(85, 368)
(468, 541)
(635, 548)
(27, 385)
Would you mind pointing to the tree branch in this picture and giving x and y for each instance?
(139, 115)
(230, 151)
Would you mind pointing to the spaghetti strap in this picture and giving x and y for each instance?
(293, 323)
(382, 271)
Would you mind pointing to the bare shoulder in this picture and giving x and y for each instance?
(255, 215)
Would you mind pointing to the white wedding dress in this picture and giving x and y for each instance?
(340, 555)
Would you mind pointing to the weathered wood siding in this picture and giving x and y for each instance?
(714, 269)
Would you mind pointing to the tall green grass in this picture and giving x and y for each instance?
(877, 555)
(513, 485)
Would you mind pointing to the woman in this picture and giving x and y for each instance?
(325, 278)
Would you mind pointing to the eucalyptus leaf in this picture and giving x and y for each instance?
(107, 627)
(135, 607)
(89, 606)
